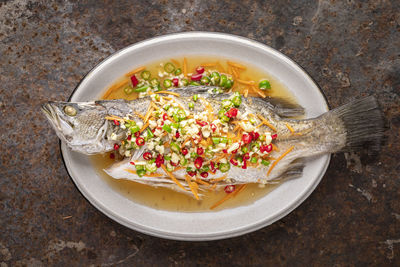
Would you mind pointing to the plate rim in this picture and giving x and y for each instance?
(199, 237)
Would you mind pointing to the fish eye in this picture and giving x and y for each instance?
(70, 111)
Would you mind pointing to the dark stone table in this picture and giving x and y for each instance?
(351, 49)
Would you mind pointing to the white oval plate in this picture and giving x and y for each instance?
(201, 225)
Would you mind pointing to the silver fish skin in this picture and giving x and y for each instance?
(345, 128)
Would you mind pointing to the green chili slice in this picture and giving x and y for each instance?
(167, 128)
(145, 75)
(224, 167)
(265, 162)
(178, 71)
(167, 83)
(264, 85)
(169, 67)
(141, 89)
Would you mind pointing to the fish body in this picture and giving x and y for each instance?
(89, 129)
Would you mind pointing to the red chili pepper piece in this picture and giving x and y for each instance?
(159, 160)
(266, 148)
(274, 136)
(197, 77)
(147, 156)
(165, 116)
(140, 141)
(225, 150)
(232, 113)
(116, 146)
(200, 69)
(201, 123)
(244, 166)
(177, 134)
(246, 156)
(137, 134)
(175, 81)
(213, 127)
(112, 156)
(192, 173)
(173, 163)
(129, 137)
(246, 138)
(229, 189)
(198, 162)
(212, 165)
(132, 163)
(204, 174)
(254, 135)
(116, 122)
(234, 162)
(134, 80)
(234, 151)
(184, 151)
(200, 150)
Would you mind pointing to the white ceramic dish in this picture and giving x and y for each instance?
(203, 225)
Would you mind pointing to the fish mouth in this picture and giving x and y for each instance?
(51, 114)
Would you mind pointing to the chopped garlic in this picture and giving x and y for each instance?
(160, 149)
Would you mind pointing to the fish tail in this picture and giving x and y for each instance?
(363, 124)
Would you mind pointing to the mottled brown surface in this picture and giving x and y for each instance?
(350, 48)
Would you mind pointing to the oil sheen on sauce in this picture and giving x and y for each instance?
(166, 199)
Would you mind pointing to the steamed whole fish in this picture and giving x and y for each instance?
(170, 140)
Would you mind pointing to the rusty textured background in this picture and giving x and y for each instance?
(351, 48)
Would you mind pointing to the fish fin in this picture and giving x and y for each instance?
(282, 107)
(364, 124)
(293, 170)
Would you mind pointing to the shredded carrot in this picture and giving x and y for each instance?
(139, 115)
(202, 182)
(184, 142)
(175, 62)
(225, 198)
(289, 127)
(275, 148)
(148, 113)
(116, 86)
(129, 74)
(166, 144)
(228, 196)
(147, 175)
(167, 97)
(264, 120)
(172, 177)
(208, 64)
(188, 178)
(278, 159)
(245, 82)
(112, 118)
(184, 67)
(235, 73)
(236, 128)
(261, 124)
(258, 91)
(168, 93)
(240, 189)
(144, 126)
(218, 179)
(213, 187)
(236, 65)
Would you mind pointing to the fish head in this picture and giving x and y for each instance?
(80, 125)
